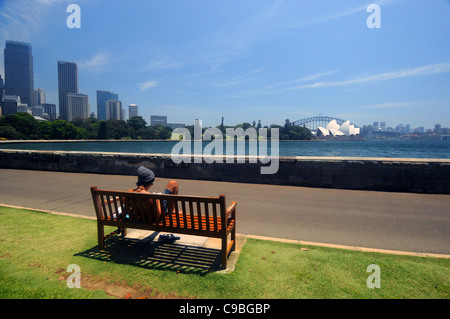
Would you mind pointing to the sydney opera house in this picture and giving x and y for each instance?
(334, 129)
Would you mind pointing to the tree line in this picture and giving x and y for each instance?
(23, 126)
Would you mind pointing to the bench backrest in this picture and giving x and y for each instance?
(142, 208)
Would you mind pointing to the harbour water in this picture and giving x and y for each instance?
(371, 148)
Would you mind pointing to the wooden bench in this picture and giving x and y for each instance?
(193, 215)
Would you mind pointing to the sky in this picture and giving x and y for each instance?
(247, 60)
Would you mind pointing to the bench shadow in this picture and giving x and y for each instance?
(149, 254)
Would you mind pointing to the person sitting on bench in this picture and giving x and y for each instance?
(146, 178)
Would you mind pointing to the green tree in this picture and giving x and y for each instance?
(102, 131)
(44, 130)
(63, 130)
(88, 127)
(118, 129)
(137, 122)
(23, 123)
(9, 133)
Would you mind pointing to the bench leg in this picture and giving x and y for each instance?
(224, 252)
(233, 238)
(101, 236)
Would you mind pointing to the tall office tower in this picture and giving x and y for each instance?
(77, 106)
(39, 95)
(132, 111)
(67, 83)
(19, 71)
(102, 97)
(113, 109)
(2, 88)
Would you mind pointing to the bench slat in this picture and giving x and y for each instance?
(191, 211)
(207, 215)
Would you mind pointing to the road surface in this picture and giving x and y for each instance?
(382, 220)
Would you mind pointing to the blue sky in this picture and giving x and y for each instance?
(247, 60)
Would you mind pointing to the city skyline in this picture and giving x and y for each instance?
(268, 61)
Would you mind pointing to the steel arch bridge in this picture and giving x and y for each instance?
(313, 122)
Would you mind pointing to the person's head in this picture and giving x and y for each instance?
(145, 177)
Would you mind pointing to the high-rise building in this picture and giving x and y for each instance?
(39, 95)
(113, 110)
(50, 110)
(2, 88)
(158, 120)
(102, 97)
(10, 104)
(19, 79)
(132, 111)
(67, 83)
(77, 106)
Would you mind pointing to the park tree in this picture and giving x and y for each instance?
(137, 122)
(9, 133)
(63, 130)
(23, 123)
(102, 131)
(118, 129)
(44, 130)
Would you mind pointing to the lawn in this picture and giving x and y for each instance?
(36, 249)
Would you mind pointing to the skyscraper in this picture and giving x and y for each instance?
(67, 83)
(102, 97)
(39, 97)
(113, 110)
(77, 106)
(19, 71)
(2, 88)
(132, 110)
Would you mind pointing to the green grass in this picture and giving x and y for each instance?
(36, 248)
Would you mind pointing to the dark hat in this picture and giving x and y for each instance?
(145, 175)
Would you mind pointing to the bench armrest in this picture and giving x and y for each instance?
(231, 210)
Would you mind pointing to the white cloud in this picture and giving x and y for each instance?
(96, 63)
(341, 14)
(389, 105)
(97, 60)
(162, 63)
(423, 104)
(238, 79)
(147, 85)
(419, 71)
(287, 85)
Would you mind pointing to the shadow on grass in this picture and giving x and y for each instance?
(149, 254)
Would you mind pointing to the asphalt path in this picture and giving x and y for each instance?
(381, 220)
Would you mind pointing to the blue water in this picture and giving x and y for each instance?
(396, 149)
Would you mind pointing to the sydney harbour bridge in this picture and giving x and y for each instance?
(314, 122)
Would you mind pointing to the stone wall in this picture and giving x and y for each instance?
(386, 174)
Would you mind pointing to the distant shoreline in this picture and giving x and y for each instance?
(78, 141)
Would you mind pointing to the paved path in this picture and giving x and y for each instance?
(383, 220)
